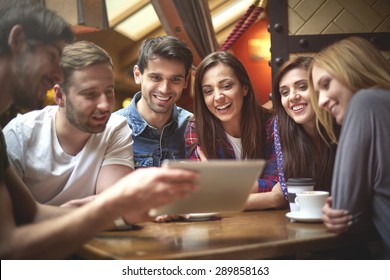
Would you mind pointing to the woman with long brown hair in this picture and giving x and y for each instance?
(301, 151)
(230, 124)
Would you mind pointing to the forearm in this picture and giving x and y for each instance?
(61, 236)
(110, 175)
(267, 200)
(45, 212)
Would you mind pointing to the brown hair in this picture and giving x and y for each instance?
(211, 134)
(303, 156)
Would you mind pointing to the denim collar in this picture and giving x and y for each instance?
(137, 122)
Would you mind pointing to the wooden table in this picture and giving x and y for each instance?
(247, 235)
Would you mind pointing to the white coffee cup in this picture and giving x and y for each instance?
(311, 203)
(296, 185)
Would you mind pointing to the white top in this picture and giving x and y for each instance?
(236, 144)
(53, 176)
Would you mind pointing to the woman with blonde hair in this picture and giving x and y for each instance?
(351, 83)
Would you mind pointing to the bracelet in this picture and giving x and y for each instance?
(121, 224)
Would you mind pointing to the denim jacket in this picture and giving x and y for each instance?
(151, 148)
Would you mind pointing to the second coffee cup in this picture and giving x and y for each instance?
(297, 185)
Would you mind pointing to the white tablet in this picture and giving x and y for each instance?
(224, 186)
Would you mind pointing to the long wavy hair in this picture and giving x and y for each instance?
(211, 135)
(355, 63)
(303, 156)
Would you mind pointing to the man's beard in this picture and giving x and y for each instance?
(80, 121)
(24, 99)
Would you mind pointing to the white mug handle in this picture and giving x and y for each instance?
(296, 200)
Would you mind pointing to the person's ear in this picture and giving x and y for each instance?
(137, 75)
(59, 96)
(16, 38)
(187, 80)
(245, 88)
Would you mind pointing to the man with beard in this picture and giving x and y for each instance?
(67, 153)
(158, 125)
(31, 42)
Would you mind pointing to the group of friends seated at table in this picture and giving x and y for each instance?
(330, 122)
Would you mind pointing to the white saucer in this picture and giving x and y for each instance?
(299, 217)
(201, 216)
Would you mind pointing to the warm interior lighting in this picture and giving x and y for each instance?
(259, 49)
(139, 24)
(126, 102)
(49, 98)
(230, 15)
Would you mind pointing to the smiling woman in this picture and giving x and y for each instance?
(230, 124)
(301, 152)
(351, 81)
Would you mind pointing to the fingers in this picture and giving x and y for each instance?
(201, 154)
(336, 220)
(336, 227)
(170, 218)
(137, 217)
(151, 188)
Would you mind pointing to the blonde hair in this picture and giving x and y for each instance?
(355, 63)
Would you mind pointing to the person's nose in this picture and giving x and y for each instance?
(218, 96)
(164, 86)
(294, 94)
(323, 100)
(104, 103)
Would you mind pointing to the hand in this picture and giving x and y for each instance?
(201, 154)
(336, 220)
(171, 218)
(135, 194)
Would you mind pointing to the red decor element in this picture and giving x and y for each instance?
(242, 25)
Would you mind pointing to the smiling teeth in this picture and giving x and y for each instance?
(298, 107)
(162, 98)
(223, 107)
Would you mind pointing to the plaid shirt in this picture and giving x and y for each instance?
(270, 174)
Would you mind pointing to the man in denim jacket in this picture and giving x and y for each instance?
(158, 125)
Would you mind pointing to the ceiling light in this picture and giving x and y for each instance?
(229, 15)
(139, 24)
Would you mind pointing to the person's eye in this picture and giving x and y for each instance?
(227, 86)
(284, 92)
(207, 91)
(155, 78)
(303, 87)
(325, 84)
(109, 92)
(89, 94)
(177, 80)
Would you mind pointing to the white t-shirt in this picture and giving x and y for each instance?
(236, 144)
(53, 176)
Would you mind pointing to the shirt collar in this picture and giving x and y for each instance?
(138, 123)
